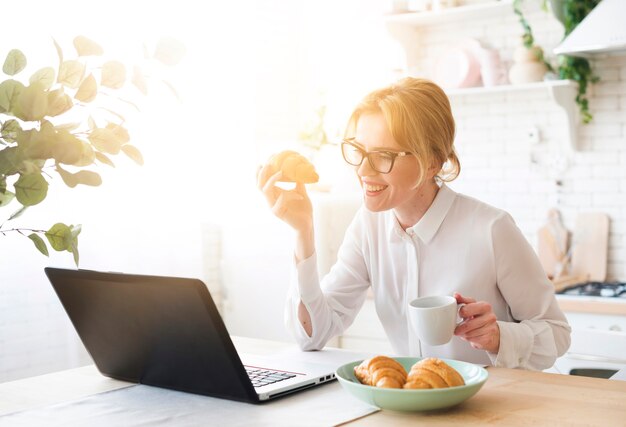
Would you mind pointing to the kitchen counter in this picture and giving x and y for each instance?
(509, 397)
(592, 305)
(514, 397)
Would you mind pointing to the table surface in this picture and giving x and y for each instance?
(510, 397)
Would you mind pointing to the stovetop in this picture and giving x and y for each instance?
(596, 289)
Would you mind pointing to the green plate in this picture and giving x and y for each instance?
(414, 400)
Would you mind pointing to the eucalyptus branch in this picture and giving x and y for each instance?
(21, 231)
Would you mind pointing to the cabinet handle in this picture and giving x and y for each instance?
(593, 358)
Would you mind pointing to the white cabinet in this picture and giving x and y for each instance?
(598, 342)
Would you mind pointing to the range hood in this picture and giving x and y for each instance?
(603, 31)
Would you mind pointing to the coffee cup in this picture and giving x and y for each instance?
(434, 318)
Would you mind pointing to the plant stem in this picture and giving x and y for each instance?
(21, 231)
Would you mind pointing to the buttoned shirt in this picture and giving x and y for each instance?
(459, 245)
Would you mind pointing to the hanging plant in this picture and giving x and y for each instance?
(570, 13)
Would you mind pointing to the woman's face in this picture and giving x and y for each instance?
(396, 189)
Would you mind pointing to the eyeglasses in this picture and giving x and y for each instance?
(380, 161)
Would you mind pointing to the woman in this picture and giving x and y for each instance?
(413, 237)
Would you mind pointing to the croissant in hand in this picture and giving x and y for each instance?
(433, 373)
(295, 167)
(381, 371)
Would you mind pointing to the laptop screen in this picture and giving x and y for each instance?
(153, 330)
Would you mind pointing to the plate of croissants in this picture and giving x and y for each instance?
(410, 383)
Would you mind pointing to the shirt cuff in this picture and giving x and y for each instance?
(516, 344)
(306, 278)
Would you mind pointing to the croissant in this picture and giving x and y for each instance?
(295, 167)
(433, 373)
(381, 371)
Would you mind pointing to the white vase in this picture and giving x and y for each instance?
(527, 67)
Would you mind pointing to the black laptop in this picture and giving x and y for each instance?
(167, 332)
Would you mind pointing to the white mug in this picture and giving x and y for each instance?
(434, 318)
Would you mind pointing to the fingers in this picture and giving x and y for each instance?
(480, 327)
(489, 340)
(474, 309)
(460, 299)
(472, 327)
(262, 174)
(281, 207)
(271, 181)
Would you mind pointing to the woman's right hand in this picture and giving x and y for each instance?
(291, 206)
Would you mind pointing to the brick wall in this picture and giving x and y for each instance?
(499, 163)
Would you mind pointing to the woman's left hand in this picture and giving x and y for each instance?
(479, 325)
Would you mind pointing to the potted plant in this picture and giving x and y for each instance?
(65, 120)
(569, 13)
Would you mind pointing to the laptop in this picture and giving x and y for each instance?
(167, 332)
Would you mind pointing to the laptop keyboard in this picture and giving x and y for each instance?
(261, 377)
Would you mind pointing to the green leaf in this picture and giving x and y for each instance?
(59, 236)
(31, 189)
(88, 178)
(58, 102)
(113, 74)
(18, 213)
(10, 160)
(39, 244)
(71, 73)
(30, 167)
(9, 130)
(172, 89)
(139, 80)
(37, 144)
(14, 62)
(87, 155)
(59, 51)
(120, 132)
(9, 94)
(68, 178)
(132, 152)
(86, 47)
(68, 148)
(104, 159)
(75, 230)
(105, 140)
(45, 76)
(33, 103)
(5, 198)
(169, 51)
(74, 250)
(88, 89)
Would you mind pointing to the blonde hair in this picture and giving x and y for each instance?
(418, 114)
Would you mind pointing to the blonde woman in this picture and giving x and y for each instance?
(414, 236)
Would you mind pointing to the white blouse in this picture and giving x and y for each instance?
(460, 245)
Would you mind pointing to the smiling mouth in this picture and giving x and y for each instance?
(374, 188)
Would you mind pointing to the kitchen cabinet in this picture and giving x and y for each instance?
(598, 334)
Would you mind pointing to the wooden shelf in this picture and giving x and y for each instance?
(563, 92)
(480, 10)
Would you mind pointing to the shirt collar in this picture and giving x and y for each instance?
(429, 224)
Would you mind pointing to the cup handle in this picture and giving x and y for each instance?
(458, 316)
